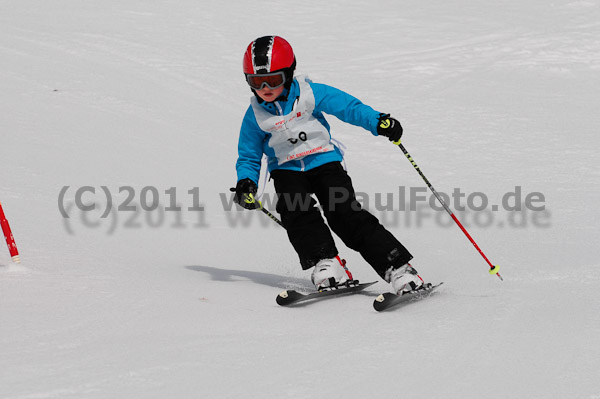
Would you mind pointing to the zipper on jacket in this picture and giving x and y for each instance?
(301, 165)
(279, 110)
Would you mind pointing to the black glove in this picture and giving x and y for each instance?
(245, 190)
(389, 127)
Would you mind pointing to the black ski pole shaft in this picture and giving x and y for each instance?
(269, 214)
(250, 200)
(493, 268)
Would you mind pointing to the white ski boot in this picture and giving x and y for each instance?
(403, 279)
(330, 272)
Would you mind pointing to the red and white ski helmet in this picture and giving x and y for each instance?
(269, 54)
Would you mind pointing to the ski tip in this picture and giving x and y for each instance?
(288, 297)
(282, 298)
(388, 300)
(283, 294)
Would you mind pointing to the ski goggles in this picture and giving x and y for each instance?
(271, 80)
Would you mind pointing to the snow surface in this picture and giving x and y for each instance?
(492, 95)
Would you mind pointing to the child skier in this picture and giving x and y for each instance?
(285, 121)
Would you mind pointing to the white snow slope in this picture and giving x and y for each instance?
(181, 304)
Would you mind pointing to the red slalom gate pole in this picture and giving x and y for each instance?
(493, 268)
(10, 240)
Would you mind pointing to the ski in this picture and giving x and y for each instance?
(387, 300)
(292, 297)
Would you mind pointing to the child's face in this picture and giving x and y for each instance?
(268, 94)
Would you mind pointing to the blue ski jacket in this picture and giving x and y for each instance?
(254, 141)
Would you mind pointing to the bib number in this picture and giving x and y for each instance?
(301, 136)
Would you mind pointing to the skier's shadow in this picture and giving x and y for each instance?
(271, 280)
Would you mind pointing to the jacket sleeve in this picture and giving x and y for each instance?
(250, 148)
(345, 107)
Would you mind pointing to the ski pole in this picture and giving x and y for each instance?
(251, 200)
(269, 214)
(493, 268)
(10, 240)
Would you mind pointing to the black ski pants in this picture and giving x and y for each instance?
(357, 228)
